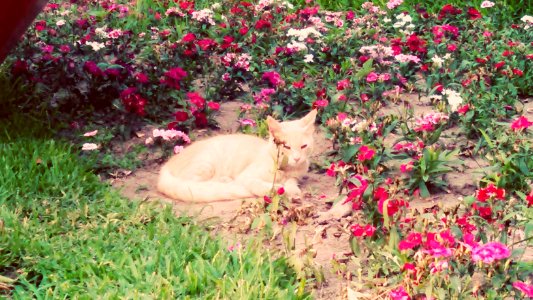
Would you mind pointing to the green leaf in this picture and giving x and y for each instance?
(424, 192)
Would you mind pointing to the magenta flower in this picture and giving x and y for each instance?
(365, 153)
(520, 124)
(273, 78)
(525, 288)
(399, 294)
(490, 252)
(372, 77)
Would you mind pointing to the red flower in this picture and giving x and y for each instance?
(520, 124)
(181, 116)
(416, 44)
(298, 84)
(213, 105)
(462, 110)
(499, 64)
(92, 68)
(206, 44)
(529, 199)
(365, 231)
(518, 72)
(448, 10)
(260, 24)
(40, 25)
(141, 78)
(507, 53)
(197, 100)
(243, 30)
(280, 191)
(490, 192)
(132, 101)
(365, 153)
(173, 77)
(267, 199)
(189, 37)
(473, 13)
(200, 119)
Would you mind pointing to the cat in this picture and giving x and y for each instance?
(238, 166)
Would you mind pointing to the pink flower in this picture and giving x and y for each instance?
(320, 103)
(525, 288)
(490, 252)
(273, 78)
(91, 133)
(178, 149)
(365, 153)
(394, 3)
(372, 77)
(521, 123)
(451, 47)
(487, 4)
(343, 84)
(399, 294)
(247, 122)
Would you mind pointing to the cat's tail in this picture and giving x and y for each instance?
(199, 191)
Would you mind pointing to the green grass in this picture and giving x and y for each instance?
(64, 234)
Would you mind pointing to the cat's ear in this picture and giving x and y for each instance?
(274, 127)
(309, 121)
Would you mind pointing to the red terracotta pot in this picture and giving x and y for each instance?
(15, 17)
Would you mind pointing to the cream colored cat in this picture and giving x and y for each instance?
(240, 166)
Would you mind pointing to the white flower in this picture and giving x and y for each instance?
(386, 20)
(453, 97)
(437, 61)
(100, 31)
(216, 6)
(89, 147)
(303, 34)
(308, 58)
(486, 4)
(95, 45)
(60, 23)
(297, 45)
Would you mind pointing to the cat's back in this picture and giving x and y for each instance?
(223, 151)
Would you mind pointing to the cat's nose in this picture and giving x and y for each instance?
(296, 159)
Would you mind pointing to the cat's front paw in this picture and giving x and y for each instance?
(293, 192)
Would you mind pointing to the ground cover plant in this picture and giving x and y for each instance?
(406, 93)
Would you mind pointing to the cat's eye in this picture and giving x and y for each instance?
(286, 147)
(304, 146)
